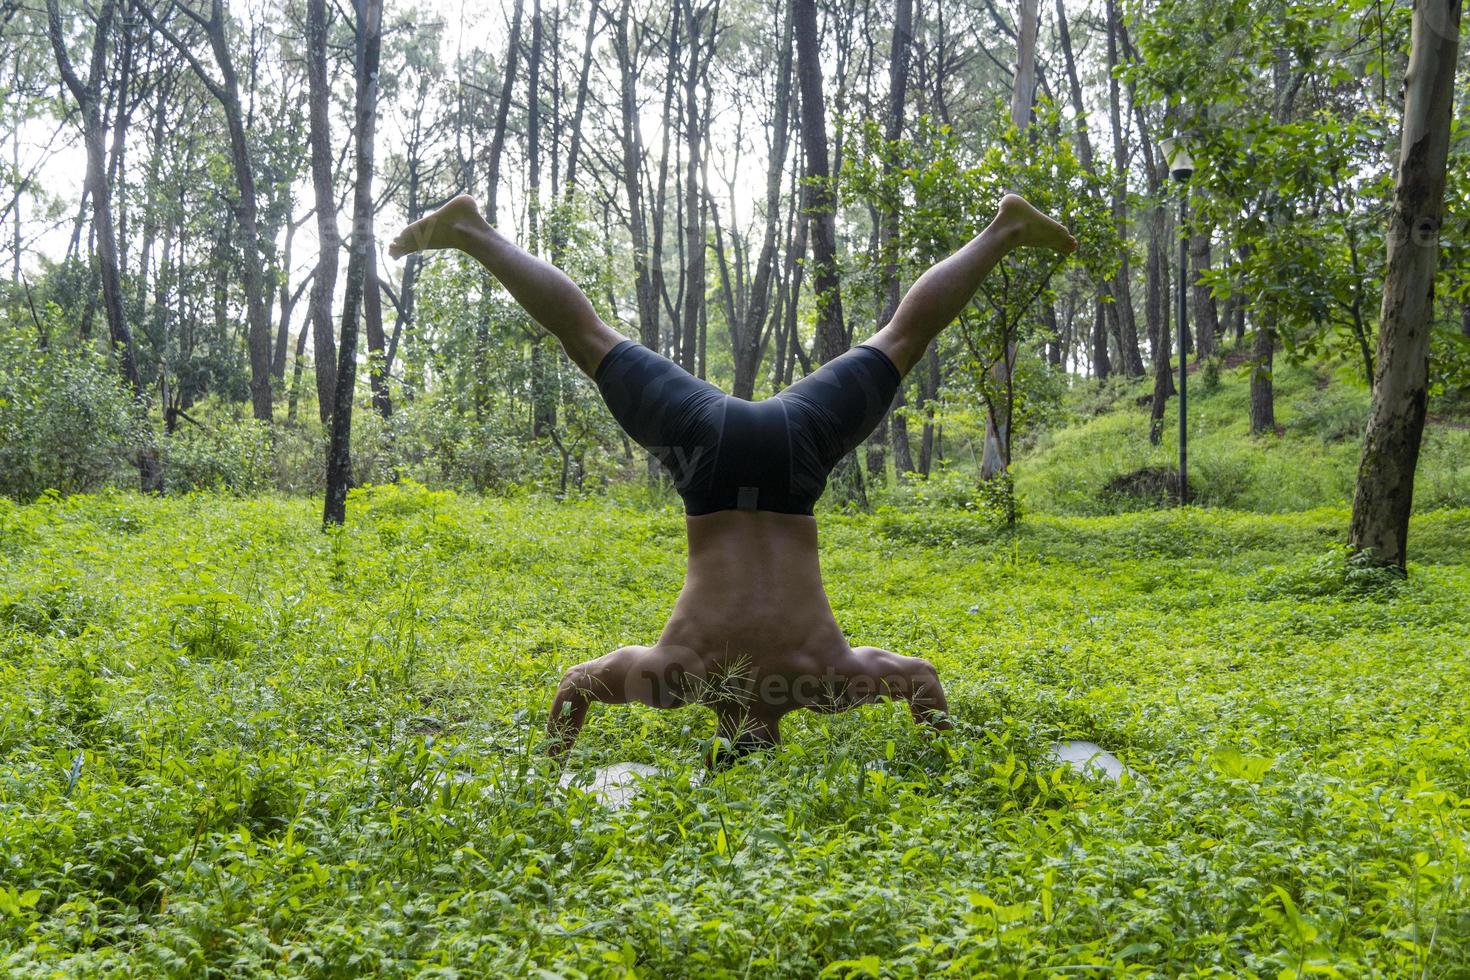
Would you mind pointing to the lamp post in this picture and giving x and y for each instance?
(1181, 168)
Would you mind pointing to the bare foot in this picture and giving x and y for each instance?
(1031, 227)
(449, 227)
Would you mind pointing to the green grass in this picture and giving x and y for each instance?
(1311, 463)
(320, 754)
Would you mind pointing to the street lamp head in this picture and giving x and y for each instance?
(1176, 155)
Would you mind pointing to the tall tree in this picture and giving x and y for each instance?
(821, 208)
(1385, 489)
(899, 52)
(1121, 286)
(88, 95)
(699, 51)
(749, 330)
(360, 256)
(226, 91)
(1206, 313)
(993, 456)
(324, 285)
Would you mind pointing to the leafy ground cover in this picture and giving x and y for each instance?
(232, 743)
(1310, 461)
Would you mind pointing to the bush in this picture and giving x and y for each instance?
(233, 455)
(67, 422)
(1334, 414)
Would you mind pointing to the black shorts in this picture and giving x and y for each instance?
(726, 453)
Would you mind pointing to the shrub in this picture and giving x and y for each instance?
(1333, 414)
(67, 422)
(232, 455)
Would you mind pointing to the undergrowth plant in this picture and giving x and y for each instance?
(232, 744)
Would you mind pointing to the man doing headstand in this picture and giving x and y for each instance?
(752, 634)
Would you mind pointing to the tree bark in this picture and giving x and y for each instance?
(323, 288)
(754, 332)
(1385, 488)
(1206, 313)
(694, 232)
(928, 392)
(502, 115)
(226, 92)
(632, 146)
(543, 360)
(88, 95)
(1121, 286)
(1263, 400)
(994, 457)
(898, 77)
(360, 258)
(1024, 90)
(1102, 365)
(821, 201)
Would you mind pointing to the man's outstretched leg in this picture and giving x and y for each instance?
(938, 296)
(552, 299)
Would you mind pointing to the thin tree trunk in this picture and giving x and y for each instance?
(1206, 314)
(543, 360)
(632, 146)
(928, 392)
(750, 340)
(1121, 285)
(227, 93)
(339, 457)
(1384, 495)
(994, 457)
(87, 94)
(694, 234)
(324, 345)
(502, 115)
(1263, 402)
(898, 78)
(821, 213)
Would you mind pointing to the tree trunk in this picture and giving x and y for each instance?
(1206, 314)
(898, 77)
(1024, 89)
(1102, 365)
(694, 234)
(751, 338)
(928, 392)
(632, 146)
(319, 135)
(1385, 489)
(1263, 400)
(1121, 286)
(87, 94)
(372, 317)
(1163, 382)
(257, 313)
(994, 458)
(821, 200)
(543, 359)
(502, 115)
(339, 457)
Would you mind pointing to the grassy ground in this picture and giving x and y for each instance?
(229, 742)
(1310, 462)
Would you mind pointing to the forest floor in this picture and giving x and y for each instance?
(229, 741)
(1097, 459)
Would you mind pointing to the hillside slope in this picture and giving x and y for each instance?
(1102, 463)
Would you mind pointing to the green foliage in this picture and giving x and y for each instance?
(234, 744)
(66, 421)
(225, 455)
(1069, 467)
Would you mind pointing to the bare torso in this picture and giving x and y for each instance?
(753, 637)
(753, 594)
